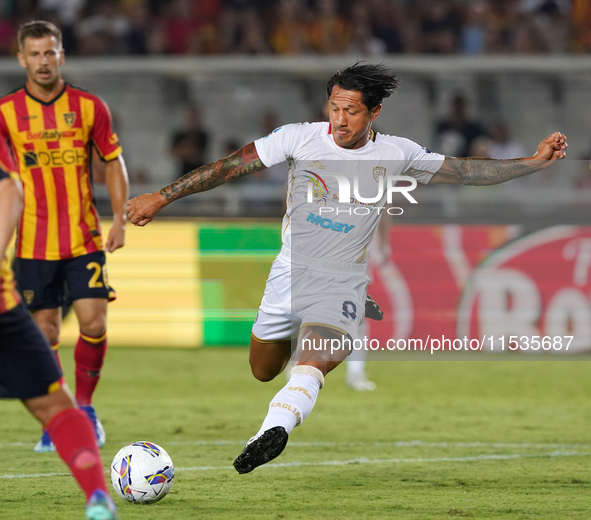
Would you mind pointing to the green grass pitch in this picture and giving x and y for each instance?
(437, 440)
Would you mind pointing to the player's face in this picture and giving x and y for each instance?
(42, 58)
(350, 119)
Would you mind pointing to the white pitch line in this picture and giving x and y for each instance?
(36, 475)
(397, 444)
(359, 461)
(364, 460)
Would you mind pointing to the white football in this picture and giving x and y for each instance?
(142, 473)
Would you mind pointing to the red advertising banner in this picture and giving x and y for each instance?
(493, 284)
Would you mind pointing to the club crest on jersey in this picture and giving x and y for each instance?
(70, 118)
(320, 190)
(379, 172)
(28, 295)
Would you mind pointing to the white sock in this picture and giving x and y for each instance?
(356, 363)
(294, 402)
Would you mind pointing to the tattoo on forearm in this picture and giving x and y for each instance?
(478, 171)
(240, 163)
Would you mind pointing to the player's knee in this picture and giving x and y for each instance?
(45, 408)
(94, 327)
(51, 331)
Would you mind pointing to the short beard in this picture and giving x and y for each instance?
(47, 85)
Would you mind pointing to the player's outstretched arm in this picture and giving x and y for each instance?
(478, 171)
(11, 205)
(144, 208)
(118, 187)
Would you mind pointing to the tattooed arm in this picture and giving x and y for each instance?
(477, 171)
(144, 208)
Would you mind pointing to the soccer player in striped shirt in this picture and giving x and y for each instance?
(29, 370)
(52, 127)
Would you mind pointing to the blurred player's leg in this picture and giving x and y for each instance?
(356, 377)
(49, 321)
(89, 355)
(294, 402)
(74, 439)
(29, 371)
(355, 365)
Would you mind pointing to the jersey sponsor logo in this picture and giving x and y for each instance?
(114, 139)
(391, 187)
(30, 159)
(319, 188)
(316, 164)
(327, 223)
(273, 132)
(49, 135)
(355, 201)
(302, 390)
(379, 172)
(289, 407)
(54, 158)
(70, 118)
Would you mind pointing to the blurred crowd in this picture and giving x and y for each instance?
(456, 135)
(295, 27)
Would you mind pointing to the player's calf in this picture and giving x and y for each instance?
(288, 409)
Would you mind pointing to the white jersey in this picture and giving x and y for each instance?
(343, 234)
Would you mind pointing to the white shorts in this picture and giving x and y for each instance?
(298, 295)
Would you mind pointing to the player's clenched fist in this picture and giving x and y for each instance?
(552, 148)
(142, 209)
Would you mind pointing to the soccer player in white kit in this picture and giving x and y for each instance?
(316, 291)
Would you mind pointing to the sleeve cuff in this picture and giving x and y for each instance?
(262, 155)
(114, 154)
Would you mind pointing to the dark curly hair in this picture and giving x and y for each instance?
(375, 82)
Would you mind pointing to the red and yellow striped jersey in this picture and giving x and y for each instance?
(9, 297)
(51, 142)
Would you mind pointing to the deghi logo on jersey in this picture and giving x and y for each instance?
(320, 190)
